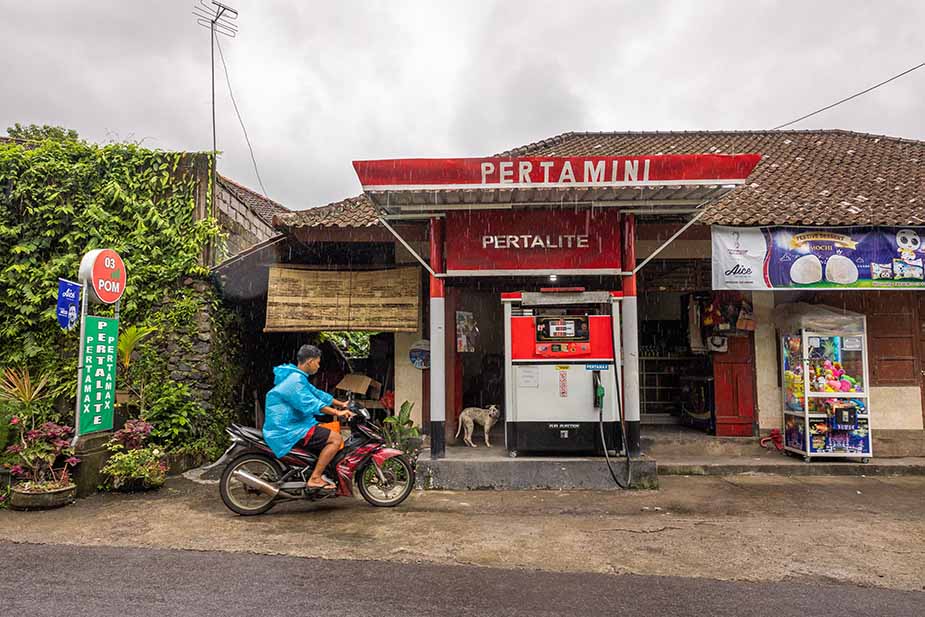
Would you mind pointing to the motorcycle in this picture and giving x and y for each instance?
(255, 480)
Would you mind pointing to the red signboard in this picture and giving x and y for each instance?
(552, 171)
(548, 241)
(104, 272)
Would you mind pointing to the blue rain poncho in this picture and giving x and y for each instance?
(290, 408)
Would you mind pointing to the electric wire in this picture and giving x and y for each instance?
(240, 119)
(853, 96)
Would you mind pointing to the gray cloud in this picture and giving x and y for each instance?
(322, 84)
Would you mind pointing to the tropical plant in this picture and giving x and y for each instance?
(38, 450)
(129, 339)
(25, 395)
(400, 432)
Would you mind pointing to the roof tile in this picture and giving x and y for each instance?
(262, 205)
(818, 177)
(351, 212)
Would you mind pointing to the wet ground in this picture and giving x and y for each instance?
(129, 582)
(758, 528)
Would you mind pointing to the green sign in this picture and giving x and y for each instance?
(98, 377)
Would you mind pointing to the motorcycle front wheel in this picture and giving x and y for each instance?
(396, 483)
(242, 499)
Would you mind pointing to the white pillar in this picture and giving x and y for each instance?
(437, 376)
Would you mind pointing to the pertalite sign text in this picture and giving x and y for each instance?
(528, 241)
(559, 171)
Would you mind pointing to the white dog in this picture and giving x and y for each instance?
(470, 416)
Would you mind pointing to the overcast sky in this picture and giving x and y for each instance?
(320, 84)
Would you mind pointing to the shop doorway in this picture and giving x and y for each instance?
(696, 351)
(475, 316)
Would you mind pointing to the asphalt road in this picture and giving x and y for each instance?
(53, 580)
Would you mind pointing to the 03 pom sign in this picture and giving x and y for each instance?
(818, 257)
(102, 274)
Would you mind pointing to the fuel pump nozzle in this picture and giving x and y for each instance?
(598, 390)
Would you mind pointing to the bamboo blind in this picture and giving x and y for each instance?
(302, 300)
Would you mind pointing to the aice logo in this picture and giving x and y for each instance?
(738, 270)
(70, 294)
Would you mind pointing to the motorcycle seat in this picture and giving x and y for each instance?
(252, 433)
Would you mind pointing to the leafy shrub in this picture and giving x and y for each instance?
(133, 434)
(146, 466)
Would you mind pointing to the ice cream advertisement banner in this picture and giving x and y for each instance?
(818, 257)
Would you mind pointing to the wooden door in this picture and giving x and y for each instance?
(734, 388)
(920, 334)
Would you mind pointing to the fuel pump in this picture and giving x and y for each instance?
(562, 375)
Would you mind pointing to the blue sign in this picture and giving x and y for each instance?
(599, 366)
(68, 303)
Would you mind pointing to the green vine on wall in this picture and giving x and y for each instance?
(62, 198)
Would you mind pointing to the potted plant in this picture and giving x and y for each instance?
(400, 432)
(40, 446)
(134, 466)
(40, 485)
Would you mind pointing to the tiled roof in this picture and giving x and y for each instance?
(821, 177)
(262, 205)
(351, 212)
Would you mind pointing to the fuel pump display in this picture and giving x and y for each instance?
(560, 371)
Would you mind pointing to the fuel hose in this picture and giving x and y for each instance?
(599, 400)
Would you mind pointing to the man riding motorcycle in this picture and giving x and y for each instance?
(292, 407)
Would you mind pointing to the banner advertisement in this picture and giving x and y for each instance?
(818, 257)
(68, 310)
(98, 377)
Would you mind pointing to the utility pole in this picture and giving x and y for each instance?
(219, 19)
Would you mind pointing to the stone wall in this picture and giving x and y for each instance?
(188, 354)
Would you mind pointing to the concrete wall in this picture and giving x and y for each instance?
(409, 384)
(896, 408)
(767, 383)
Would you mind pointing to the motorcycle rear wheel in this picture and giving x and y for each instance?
(399, 476)
(242, 499)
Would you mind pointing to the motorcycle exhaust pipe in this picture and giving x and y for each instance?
(254, 482)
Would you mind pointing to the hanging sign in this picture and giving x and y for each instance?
(104, 273)
(818, 257)
(68, 310)
(97, 388)
(554, 171)
(549, 241)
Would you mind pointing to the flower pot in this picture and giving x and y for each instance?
(20, 500)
